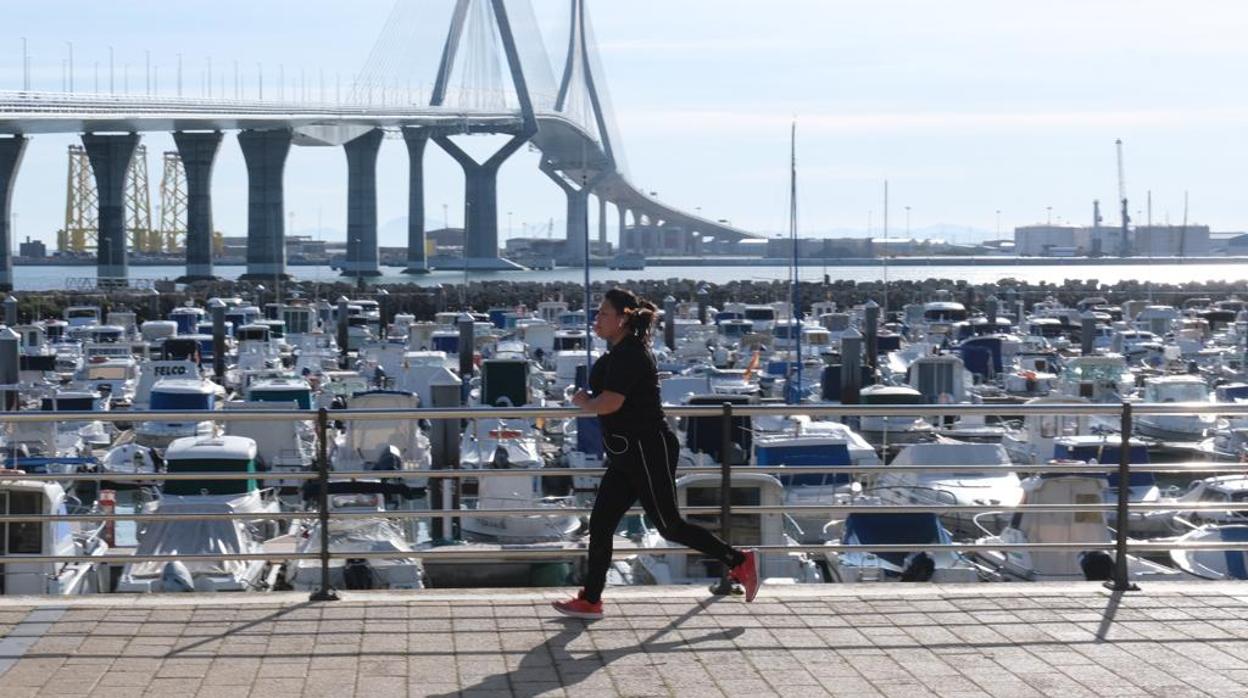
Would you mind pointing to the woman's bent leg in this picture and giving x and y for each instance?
(657, 492)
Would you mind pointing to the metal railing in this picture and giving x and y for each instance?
(323, 475)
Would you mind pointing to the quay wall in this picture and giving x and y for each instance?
(424, 301)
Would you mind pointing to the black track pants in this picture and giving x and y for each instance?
(643, 468)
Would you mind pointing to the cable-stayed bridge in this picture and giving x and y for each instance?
(440, 70)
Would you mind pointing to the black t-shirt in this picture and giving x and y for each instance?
(629, 369)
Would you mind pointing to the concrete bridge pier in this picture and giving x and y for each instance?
(11, 152)
(198, 151)
(265, 153)
(416, 140)
(110, 157)
(602, 224)
(481, 204)
(362, 205)
(577, 213)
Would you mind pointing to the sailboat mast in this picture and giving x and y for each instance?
(795, 391)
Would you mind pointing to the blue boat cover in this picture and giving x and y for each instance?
(891, 529)
(1108, 454)
(813, 455)
(1235, 566)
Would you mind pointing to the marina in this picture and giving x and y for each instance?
(396, 379)
(402, 453)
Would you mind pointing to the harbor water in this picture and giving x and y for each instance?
(51, 278)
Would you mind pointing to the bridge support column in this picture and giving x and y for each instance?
(199, 153)
(577, 213)
(362, 205)
(110, 157)
(577, 228)
(265, 153)
(416, 140)
(11, 152)
(481, 204)
(602, 225)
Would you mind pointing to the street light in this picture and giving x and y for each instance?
(998, 224)
(907, 221)
(1049, 210)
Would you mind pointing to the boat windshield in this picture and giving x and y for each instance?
(302, 397)
(68, 404)
(1094, 372)
(1181, 392)
(107, 373)
(944, 315)
(181, 401)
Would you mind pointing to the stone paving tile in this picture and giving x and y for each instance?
(1025, 640)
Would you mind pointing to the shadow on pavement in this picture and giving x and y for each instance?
(571, 671)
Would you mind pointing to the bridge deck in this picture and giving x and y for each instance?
(999, 640)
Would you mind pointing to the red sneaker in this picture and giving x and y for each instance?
(746, 574)
(579, 607)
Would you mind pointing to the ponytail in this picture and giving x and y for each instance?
(640, 314)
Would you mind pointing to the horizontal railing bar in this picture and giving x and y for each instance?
(9, 476)
(460, 474)
(1052, 409)
(549, 550)
(917, 507)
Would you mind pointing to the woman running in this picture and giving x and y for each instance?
(641, 453)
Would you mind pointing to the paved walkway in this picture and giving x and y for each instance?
(906, 640)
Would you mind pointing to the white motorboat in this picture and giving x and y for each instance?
(1141, 486)
(1077, 528)
(886, 430)
(282, 446)
(396, 444)
(178, 395)
(803, 450)
(112, 376)
(920, 528)
(1176, 427)
(1213, 564)
(989, 481)
(1230, 488)
(496, 445)
(82, 540)
(208, 537)
(94, 433)
(373, 535)
(131, 459)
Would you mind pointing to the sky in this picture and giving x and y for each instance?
(967, 108)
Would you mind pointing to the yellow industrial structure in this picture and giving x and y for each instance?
(81, 230)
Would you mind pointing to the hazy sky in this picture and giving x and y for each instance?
(965, 107)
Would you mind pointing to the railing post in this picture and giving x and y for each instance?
(326, 592)
(1121, 581)
(725, 492)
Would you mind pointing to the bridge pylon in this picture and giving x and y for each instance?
(481, 178)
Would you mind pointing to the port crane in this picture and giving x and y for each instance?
(1124, 243)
